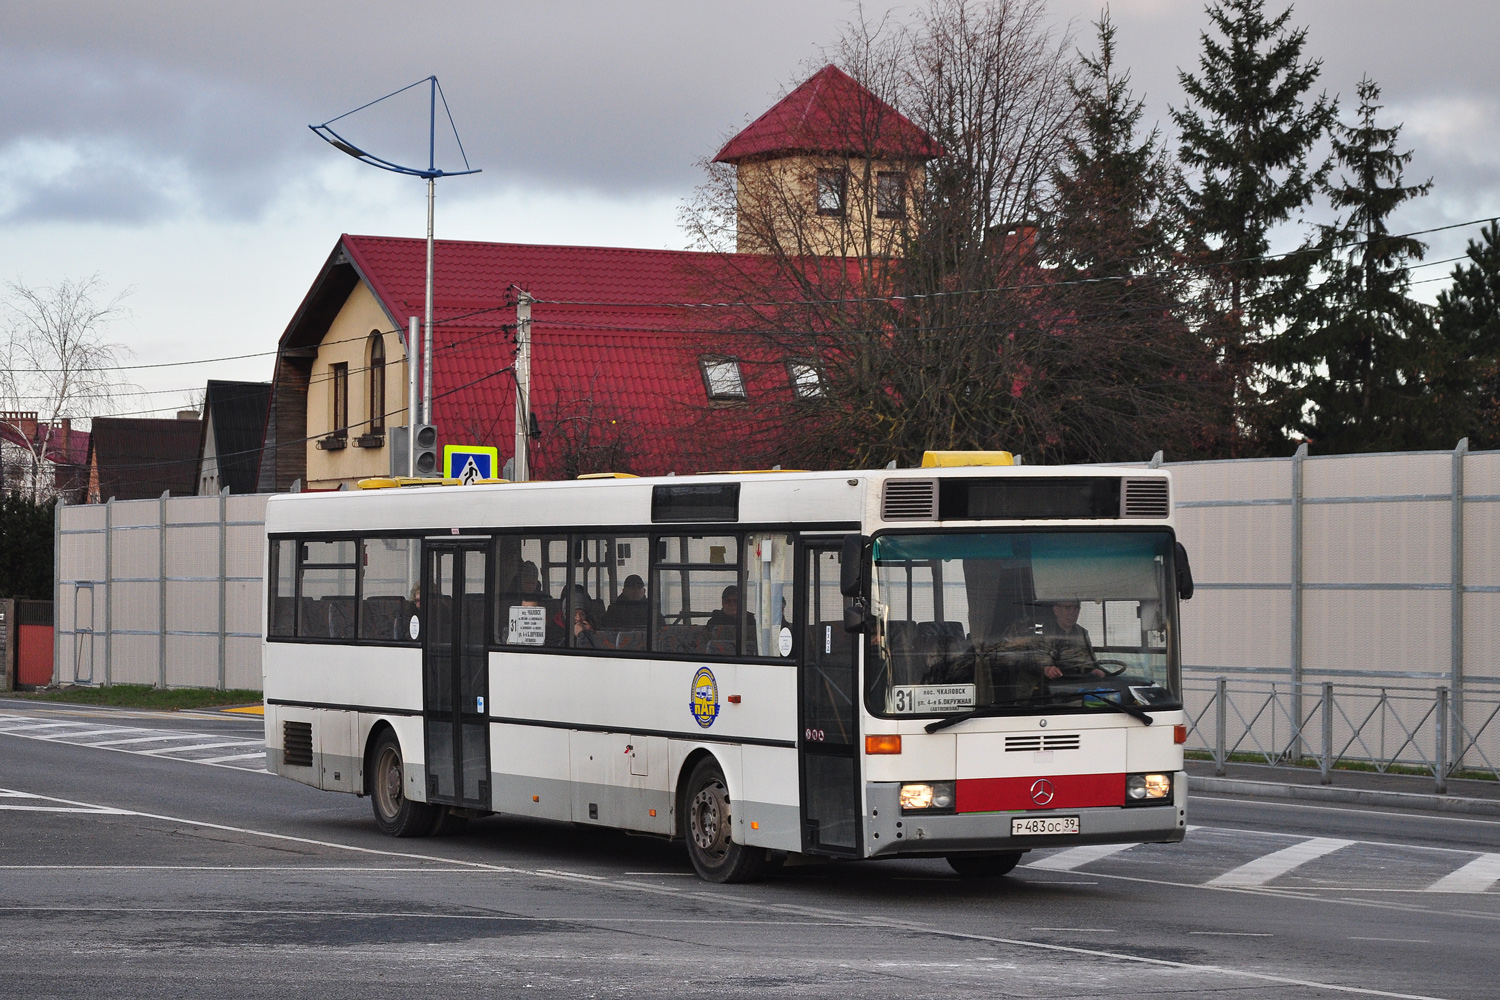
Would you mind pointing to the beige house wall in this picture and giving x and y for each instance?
(348, 341)
(778, 199)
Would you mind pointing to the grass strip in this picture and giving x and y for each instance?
(142, 696)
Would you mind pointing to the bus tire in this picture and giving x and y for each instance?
(708, 826)
(984, 865)
(446, 823)
(395, 814)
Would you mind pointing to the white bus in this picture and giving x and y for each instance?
(956, 662)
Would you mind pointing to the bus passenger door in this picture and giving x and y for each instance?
(455, 673)
(828, 710)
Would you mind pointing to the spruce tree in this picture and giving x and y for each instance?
(1349, 370)
(1466, 391)
(1247, 132)
(1111, 234)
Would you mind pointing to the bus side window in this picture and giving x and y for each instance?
(698, 609)
(283, 574)
(326, 609)
(531, 577)
(607, 606)
(390, 575)
(769, 599)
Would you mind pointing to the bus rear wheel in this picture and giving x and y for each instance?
(708, 827)
(984, 865)
(395, 814)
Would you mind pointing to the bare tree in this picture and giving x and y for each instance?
(59, 367)
(921, 309)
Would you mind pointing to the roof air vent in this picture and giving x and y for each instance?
(909, 500)
(1145, 498)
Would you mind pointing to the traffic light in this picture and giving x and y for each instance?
(426, 452)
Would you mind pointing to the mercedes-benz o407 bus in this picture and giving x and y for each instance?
(960, 662)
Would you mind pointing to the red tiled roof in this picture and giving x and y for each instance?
(614, 363)
(830, 113)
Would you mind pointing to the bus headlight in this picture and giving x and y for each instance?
(1147, 788)
(936, 795)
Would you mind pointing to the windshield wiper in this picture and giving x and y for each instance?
(979, 713)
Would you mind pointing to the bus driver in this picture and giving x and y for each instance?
(1063, 644)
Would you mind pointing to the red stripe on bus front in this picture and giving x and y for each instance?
(1067, 791)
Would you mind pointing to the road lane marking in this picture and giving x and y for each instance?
(1393, 940)
(1476, 876)
(1269, 866)
(1089, 930)
(1231, 933)
(1073, 857)
(721, 899)
(102, 810)
(113, 730)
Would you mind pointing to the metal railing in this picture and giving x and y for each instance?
(1383, 728)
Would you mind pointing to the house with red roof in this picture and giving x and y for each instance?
(49, 456)
(634, 364)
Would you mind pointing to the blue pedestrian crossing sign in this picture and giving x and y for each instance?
(470, 462)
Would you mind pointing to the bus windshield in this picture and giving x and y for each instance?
(1023, 621)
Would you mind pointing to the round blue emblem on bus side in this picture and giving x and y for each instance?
(705, 704)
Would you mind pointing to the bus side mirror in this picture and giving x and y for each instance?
(1184, 574)
(855, 619)
(851, 561)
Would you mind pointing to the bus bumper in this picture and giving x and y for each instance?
(889, 833)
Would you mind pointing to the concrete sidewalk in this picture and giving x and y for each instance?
(1368, 788)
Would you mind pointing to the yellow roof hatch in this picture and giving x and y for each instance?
(959, 459)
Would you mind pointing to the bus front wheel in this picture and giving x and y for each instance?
(984, 865)
(395, 814)
(708, 827)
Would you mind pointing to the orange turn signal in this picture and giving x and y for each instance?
(883, 744)
(1179, 734)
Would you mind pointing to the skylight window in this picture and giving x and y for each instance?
(723, 379)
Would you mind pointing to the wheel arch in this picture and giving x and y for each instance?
(679, 795)
(380, 728)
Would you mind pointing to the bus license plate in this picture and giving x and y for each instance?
(1043, 826)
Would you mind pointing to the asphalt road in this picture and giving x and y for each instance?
(138, 859)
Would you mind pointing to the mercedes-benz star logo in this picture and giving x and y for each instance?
(1042, 791)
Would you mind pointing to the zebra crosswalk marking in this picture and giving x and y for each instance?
(1476, 876)
(1073, 857)
(172, 745)
(1269, 866)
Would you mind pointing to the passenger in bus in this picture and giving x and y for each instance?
(724, 623)
(583, 630)
(630, 610)
(555, 630)
(1062, 646)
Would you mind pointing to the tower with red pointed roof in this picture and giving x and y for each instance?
(830, 170)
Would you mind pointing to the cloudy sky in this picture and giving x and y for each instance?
(163, 146)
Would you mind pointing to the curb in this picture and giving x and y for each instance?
(1356, 796)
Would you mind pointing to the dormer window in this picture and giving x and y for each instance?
(890, 195)
(723, 379)
(806, 378)
(833, 186)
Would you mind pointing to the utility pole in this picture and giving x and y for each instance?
(523, 385)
